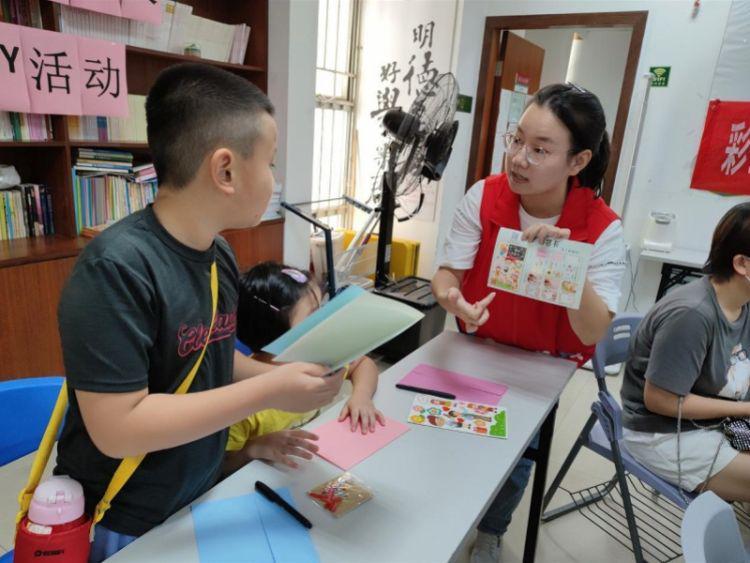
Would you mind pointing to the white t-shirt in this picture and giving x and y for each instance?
(606, 265)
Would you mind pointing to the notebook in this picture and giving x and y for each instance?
(346, 328)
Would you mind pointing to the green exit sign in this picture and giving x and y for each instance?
(661, 76)
(464, 103)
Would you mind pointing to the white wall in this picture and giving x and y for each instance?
(386, 37)
(292, 50)
(556, 44)
(673, 124)
(599, 66)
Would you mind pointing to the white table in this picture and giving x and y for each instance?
(431, 486)
(676, 265)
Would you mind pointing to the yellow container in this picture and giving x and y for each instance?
(404, 256)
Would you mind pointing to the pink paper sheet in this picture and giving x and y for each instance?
(142, 10)
(464, 387)
(52, 71)
(13, 95)
(111, 7)
(104, 85)
(345, 449)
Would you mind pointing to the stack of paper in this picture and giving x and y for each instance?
(464, 387)
(250, 528)
(349, 326)
(345, 449)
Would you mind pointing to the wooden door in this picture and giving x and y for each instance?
(519, 67)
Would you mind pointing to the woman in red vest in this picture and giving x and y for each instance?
(555, 161)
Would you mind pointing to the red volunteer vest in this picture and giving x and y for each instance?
(516, 320)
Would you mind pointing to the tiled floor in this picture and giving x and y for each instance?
(570, 538)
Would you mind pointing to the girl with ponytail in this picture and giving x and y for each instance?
(555, 161)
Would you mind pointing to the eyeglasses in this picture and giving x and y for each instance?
(513, 144)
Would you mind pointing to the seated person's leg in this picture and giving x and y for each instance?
(733, 482)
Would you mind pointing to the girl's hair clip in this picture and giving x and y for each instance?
(266, 303)
(295, 274)
(578, 88)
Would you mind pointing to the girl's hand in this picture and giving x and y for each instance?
(283, 446)
(361, 412)
(473, 315)
(540, 232)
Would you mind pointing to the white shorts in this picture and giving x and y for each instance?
(658, 452)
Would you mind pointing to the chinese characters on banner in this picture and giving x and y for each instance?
(723, 162)
(419, 76)
(405, 47)
(51, 72)
(401, 81)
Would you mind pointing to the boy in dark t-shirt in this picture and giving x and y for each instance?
(135, 314)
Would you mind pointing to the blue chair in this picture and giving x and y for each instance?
(25, 408)
(710, 532)
(602, 434)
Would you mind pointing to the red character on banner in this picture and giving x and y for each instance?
(723, 162)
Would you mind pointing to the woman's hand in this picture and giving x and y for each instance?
(283, 446)
(362, 412)
(473, 315)
(540, 232)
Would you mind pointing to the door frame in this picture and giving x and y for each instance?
(495, 25)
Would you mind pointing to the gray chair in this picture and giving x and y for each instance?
(602, 434)
(710, 533)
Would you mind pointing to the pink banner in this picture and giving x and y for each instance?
(66, 2)
(143, 10)
(111, 7)
(13, 95)
(50, 62)
(103, 77)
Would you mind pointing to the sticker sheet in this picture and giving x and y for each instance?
(553, 271)
(461, 416)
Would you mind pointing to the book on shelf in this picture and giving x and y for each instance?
(25, 211)
(107, 187)
(131, 129)
(24, 126)
(178, 29)
(21, 12)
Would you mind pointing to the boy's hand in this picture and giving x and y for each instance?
(473, 315)
(540, 232)
(299, 387)
(283, 446)
(361, 411)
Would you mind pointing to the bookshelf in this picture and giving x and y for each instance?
(33, 270)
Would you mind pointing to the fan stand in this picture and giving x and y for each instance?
(385, 233)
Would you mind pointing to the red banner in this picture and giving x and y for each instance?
(723, 162)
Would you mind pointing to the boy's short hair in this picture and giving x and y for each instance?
(194, 108)
(731, 237)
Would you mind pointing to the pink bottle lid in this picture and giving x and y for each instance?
(58, 500)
